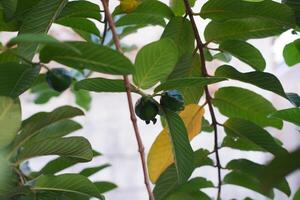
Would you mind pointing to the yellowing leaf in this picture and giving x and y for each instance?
(161, 155)
(129, 5)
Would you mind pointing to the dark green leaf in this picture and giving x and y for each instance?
(92, 56)
(294, 99)
(104, 186)
(72, 147)
(154, 62)
(72, 183)
(240, 143)
(263, 80)
(16, 78)
(245, 104)
(93, 170)
(206, 126)
(295, 5)
(244, 29)
(291, 53)
(254, 134)
(39, 20)
(10, 7)
(244, 52)
(291, 115)
(101, 85)
(178, 6)
(180, 30)
(220, 10)
(187, 82)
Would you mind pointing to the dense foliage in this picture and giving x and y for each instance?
(172, 77)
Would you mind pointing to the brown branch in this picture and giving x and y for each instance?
(200, 46)
(129, 98)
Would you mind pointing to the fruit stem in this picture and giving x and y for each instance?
(200, 47)
(129, 98)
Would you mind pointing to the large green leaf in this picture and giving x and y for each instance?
(72, 147)
(244, 29)
(291, 53)
(180, 30)
(220, 10)
(92, 56)
(244, 52)
(16, 78)
(187, 82)
(240, 128)
(148, 12)
(295, 5)
(72, 183)
(178, 6)
(240, 143)
(101, 85)
(182, 150)
(154, 62)
(6, 25)
(280, 167)
(168, 180)
(257, 171)
(263, 80)
(245, 104)
(39, 121)
(10, 7)
(188, 65)
(247, 181)
(10, 119)
(39, 20)
(84, 9)
(291, 115)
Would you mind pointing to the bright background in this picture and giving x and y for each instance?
(108, 128)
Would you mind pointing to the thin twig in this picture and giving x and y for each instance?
(130, 103)
(105, 30)
(201, 46)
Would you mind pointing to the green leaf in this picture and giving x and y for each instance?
(10, 120)
(249, 131)
(104, 186)
(297, 195)
(16, 78)
(10, 7)
(295, 5)
(223, 56)
(72, 147)
(244, 52)
(220, 10)
(93, 170)
(59, 164)
(83, 99)
(246, 181)
(244, 29)
(291, 53)
(84, 9)
(291, 115)
(245, 104)
(257, 171)
(148, 12)
(180, 30)
(294, 99)
(168, 180)
(70, 183)
(188, 65)
(79, 23)
(262, 80)
(92, 56)
(101, 85)
(154, 62)
(195, 195)
(280, 167)
(39, 121)
(240, 143)
(187, 82)
(182, 150)
(206, 126)
(5, 25)
(178, 6)
(39, 20)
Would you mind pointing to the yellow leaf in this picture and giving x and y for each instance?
(161, 156)
(129, 5)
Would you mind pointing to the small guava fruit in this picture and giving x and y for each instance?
(146, 108)
(128, 6)
(59, 79)
(173, 100)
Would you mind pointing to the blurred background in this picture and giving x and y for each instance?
(108, 128)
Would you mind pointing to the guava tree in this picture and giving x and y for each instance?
(173, 81)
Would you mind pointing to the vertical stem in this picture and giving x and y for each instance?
(130, 103)
(200, 47)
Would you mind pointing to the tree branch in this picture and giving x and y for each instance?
(201, 46)
(129, 98)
